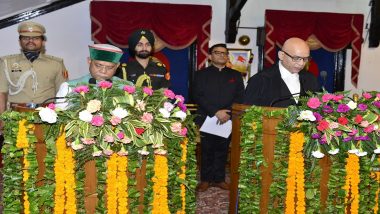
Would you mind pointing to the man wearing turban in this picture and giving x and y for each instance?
(144, 70)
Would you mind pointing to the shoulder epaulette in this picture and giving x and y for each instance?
(53, 57)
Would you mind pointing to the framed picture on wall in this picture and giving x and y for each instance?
(240, 60)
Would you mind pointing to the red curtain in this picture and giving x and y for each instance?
(334, 32)
(177, 25)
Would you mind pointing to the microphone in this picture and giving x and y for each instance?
(323, 75)
(287, 97)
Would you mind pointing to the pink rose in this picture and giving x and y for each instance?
(97, 120)
(148, 91)
(104, 84)
(169, 94)
(130, 89)
(115, 120)
(82, 89)
(313, 103)
(147, 117)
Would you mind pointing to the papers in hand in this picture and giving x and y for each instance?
(212, 126)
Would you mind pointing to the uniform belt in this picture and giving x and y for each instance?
(28, 105)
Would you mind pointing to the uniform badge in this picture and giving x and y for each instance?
(159, 64)
(16, 67)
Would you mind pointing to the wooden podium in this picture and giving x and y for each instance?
(269, 139)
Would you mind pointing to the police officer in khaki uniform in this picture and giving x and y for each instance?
(145, 70)
(31, 77)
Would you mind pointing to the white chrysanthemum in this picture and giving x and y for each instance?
(93, 106)
(317, 154)
(180, 114)
(165, 113)
(306, 115)
(353, 151)
(85, 116)
(48, 115)
(352, 105)
(361, 153)
(377, 150)
(333, 151)
(120, 112)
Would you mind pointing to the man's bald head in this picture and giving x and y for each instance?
(294, 54)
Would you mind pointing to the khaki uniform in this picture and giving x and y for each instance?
(50, 73)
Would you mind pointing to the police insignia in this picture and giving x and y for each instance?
(16, 67)
(159, 64)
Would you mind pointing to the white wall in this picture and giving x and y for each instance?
(68, 32)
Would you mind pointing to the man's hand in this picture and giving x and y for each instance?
(223, 115)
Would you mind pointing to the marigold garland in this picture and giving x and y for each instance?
(160, 183)
(64, 169)
(122, 191)
(295, 180)
(22, 143)
(377, 176)
(183, 175)
(352, 182)
(111, 181)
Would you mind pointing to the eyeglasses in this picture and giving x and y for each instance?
(297, 58)
(30, 38)
(219, 53)
(100, 67)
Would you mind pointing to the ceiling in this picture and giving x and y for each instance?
(12, 7)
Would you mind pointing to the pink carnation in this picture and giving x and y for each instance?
(313, 103)
(338, 97)
(120, 135)
(51, 106)
(180, 98)
(176, 127)
(148, 91)
(369, 129)
(115, 120)
(82, 89)
(183, 131)
(367, 95)
(105, 84)
(147, 117)
(97, 120)
(169, 94)
(378, 95)
(109, 138)
(88, 141)
(327, 97)
(130, 89)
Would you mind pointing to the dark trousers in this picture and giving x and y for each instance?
(214, 151)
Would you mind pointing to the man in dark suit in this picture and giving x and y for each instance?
(284, 82)
(216, 88)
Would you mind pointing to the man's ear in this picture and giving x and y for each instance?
(280, 55)
(88, 60)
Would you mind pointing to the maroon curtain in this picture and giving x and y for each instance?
(334, 32)
(177, 25)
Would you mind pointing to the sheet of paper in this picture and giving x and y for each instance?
(211, 126)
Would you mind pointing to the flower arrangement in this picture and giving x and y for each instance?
(123, 129)
(116, 118)
(337, 123)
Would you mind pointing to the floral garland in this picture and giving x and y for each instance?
(160, 182)
(377, 176)
(352, 182)
(182, 175)
(117, 195)
(295, 180)
(64, 168)
(22, 143)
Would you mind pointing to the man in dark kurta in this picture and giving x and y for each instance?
(216, 88)
(283, 83)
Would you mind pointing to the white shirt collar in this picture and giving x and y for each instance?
(291, 80)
